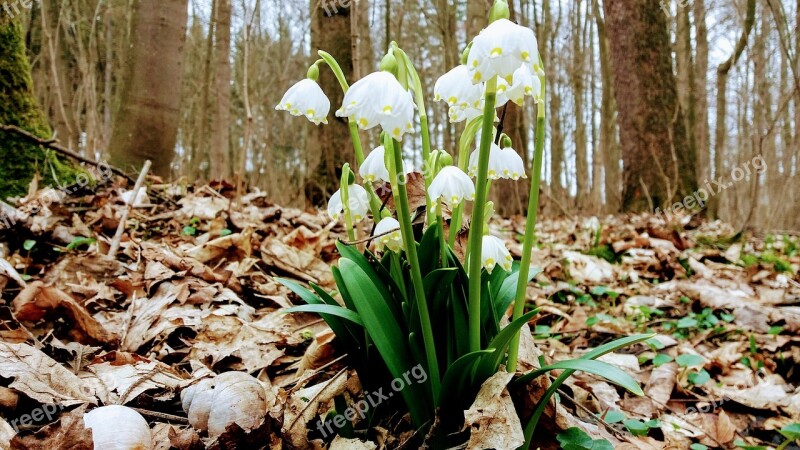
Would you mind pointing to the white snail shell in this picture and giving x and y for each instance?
(232, 397)
(117, 427)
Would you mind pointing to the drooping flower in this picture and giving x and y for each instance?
(306, 98)
(496, 165)
(524, 84)
(452, 185)
(461, 114)
(503, 164)
(512, 165)
(500, 49)
(494, 252)
(379, 99)
(374, 166)
(388, 235)
(358, 201)
(457, 90)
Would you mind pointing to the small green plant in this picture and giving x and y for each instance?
(576, 439)
(191, 228)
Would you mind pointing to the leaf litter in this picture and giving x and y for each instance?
(188, 318)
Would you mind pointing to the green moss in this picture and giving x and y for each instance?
(20, 159)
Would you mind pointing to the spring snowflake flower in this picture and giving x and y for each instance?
(500, 49)
(389, 236)
(502, 93)
(503, 164)
(306, 98)
(453, 186)
(494, 252)
(379, 99)
(524, 84)
(359, 203)
(457, 90)
(374, 166)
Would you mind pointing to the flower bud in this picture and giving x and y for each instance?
(465, 54)
(446, 159)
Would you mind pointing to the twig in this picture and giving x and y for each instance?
(160, 415)
(112, 252)
(53, 145)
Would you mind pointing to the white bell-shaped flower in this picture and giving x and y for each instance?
(500, 49)
(388, 235)
(461, 114)
(524, 84)
(502, 93)
(452, 185)
(374, 166)
(496, 163)
(512, 165)
(379, 99)
(306, 98)
(456, 88)
(493, 253)
(358, 201)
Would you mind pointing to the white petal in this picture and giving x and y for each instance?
(494, 252)
(379, 99)
(389, 235)
(456, 88)
(306, 98)
(500, 49)
(452, 185)
(374, 166)
(358, 200)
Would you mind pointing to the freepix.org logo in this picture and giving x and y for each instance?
(14, 7)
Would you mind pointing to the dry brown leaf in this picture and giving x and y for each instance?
(305, 404)
(492, 419)
(40, 377)
(340, 443)
(67, 434)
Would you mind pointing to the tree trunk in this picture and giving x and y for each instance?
(609, 145)
(721, 131)
(221, 159)
(577, 82)
(686, 79)
(146, 121)
(329, 146)
(657, 158)
(18, 107)
(701, 130)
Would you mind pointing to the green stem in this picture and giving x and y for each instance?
(476, 228)
(455, 224)
(404, 217)
(345, 195)
(530, 231)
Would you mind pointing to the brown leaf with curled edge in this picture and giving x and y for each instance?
(492, 419)
(415, 186)
(66, 434)
(38, 301)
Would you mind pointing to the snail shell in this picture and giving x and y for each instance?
(117, 427)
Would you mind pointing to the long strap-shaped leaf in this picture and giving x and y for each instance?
(386, 334)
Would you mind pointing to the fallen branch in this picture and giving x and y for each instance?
(112, 252)
(53, 145)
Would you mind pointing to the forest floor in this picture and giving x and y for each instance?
(191, 294)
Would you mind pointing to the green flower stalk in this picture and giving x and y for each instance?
(476, 228)
(404, 217)
(530, 226)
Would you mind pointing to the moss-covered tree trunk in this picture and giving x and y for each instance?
(19, 160)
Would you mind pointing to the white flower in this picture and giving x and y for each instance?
(494, 252)
(461, 114)
(503, 164)
(524, 84)
(379, 99)
(389, 235)
(358, 200)
(457, 90)
(502, 93)
(495, 161)
(452, 185)
(500, 49)
(306, 98)
(512, 165)
(374, 166)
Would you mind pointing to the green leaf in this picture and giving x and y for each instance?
(386, 334)
(458, 379)
(490, 363)
(690, 360)
(225, 232)
(604, 370)
(697, 446)
(636, 427)
(687, 322)
(77, 242)
(576, 439)
(28, 244)
(661, 359)
(337, 311)
(614, 416)
(791, 432)
(699, 378)
(189, 231)
(508, 290)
